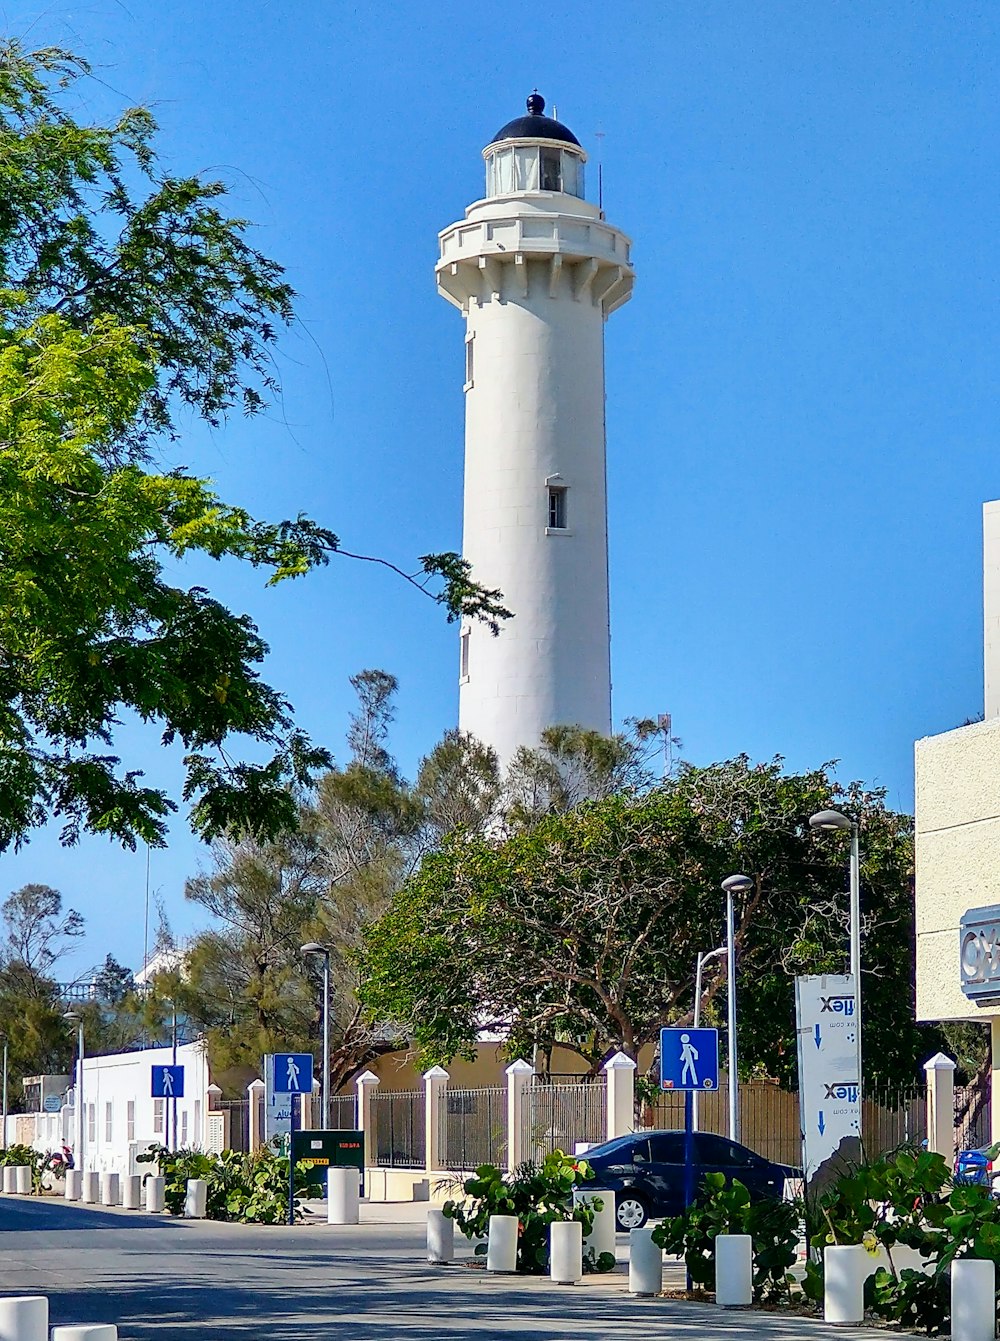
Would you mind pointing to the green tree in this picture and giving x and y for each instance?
(37, 933)
(129, 298)
(584, 928)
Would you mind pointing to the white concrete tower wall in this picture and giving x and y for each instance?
(535, 272)
(991, 608)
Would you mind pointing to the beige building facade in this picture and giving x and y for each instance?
(957, 806)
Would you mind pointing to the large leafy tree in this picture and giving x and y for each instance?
(129, 302)
(584, 927)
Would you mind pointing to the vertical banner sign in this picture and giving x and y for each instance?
(829, 1065)
(277, 1105)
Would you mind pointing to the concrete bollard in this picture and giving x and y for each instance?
(565, 1252)
(22, 1180)
(343, 1188)
(73, 1189)
(601, 1238)
(9, 1180)
(501, 1246)
(25, 1318)
(734, 1270)
(88, 1331)
(91, 1193)
(196, 1199)
(645, 1263)
(132, 1191)
(845, 1270)
(440, 1237)
(155, 1194)
(973, 1308)
(109, 1189)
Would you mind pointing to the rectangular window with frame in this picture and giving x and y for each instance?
(557, 509)
(197, 1122)
(91, 1123)
(109, 1123)
(130, 1120)
(551, 170)
(158, 1111)
(184, 1129)
(464, 656)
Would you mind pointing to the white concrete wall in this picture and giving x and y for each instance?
(991, 608)
(536, 274)
(957, 859)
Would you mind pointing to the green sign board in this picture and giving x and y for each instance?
(323, 1149)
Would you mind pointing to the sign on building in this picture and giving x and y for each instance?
(277, 1106)
(829, 1045)
(979, 953)
(689, 1059)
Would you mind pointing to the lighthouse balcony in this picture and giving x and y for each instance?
(499, 257)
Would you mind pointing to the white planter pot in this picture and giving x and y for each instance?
(501, 1246)
(973, 1306)
(845, 1271)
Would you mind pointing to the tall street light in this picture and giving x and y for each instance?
(73, 1017)
(4, 1132)
(314, 948)
(733, 885)
(827, 821)
(703, 958)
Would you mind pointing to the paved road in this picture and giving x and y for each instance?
(161, 1279)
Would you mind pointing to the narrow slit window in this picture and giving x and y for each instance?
(464, 657)
(130, 1120)
(109, 1123)
(557, 509)
(469, 361)
(158, 1116)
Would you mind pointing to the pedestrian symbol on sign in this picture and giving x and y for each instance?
(689, 1059)
(293, 1076)
(168, 1083)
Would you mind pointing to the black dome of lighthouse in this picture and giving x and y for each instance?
(535, 126)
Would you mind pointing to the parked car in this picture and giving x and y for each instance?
(976, 1166)
(645, 1171)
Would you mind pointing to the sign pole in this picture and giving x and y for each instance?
(291, 1160)
(688, 1157)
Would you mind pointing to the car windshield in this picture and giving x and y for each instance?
(615, 1147)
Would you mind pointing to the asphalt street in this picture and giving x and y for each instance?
(160, 1278)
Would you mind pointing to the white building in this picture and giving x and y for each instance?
(535, 270)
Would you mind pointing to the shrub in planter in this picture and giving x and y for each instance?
(719, 1208)
(537, 1194)
(25, 1155)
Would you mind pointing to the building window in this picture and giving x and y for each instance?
(197, 1122)
(470, 340)
(551, 170)
(130, 1120)
(158, 1116)
(91, 1123)
(184, 1129)
(557, 509)
(464, 656)
(109, 1123)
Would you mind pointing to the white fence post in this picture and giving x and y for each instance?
(941, 1106)
(519, 1076)
(435, 1105)
(620, 1073)
(255, 1092)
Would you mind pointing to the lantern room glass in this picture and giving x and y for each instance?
(532, 167)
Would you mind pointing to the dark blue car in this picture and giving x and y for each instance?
(645, 1171)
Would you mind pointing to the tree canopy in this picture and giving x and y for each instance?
(584, 927)
(130, 301)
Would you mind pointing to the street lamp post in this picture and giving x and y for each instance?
(74, 1018)
(827, 821)
(314, 948)
(703, 959)
(4, 1132)
(733, 885)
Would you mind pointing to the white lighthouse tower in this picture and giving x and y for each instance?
(535, 270)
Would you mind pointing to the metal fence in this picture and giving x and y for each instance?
(343, 1112)
(398, 1139)
(557, 1117)
(475, 1128)
(973, 1118)
(238, 1122)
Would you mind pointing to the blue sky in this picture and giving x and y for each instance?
(801, 394)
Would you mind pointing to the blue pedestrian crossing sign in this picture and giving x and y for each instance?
(293, 1073)
(689, 1059)
(168, 1082)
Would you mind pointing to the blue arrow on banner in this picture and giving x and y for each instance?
(821, 1124)
(817, 1035)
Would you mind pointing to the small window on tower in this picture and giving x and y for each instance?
(557, 509)
(464, 655)
(470, 340)
(551, 170)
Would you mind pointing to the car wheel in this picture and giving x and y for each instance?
(630, 1211)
